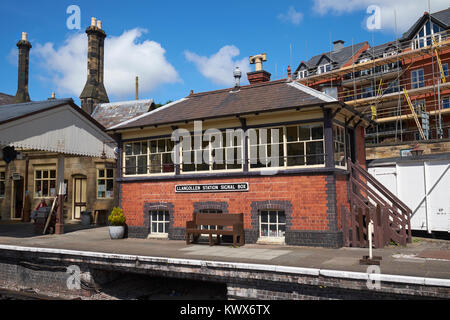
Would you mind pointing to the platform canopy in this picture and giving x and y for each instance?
(57, 125)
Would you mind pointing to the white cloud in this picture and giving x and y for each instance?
(407, 11)
(125, 58)
(292, 16)
(220, 66)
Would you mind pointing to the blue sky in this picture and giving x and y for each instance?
(176, 46)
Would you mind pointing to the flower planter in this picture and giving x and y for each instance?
(116, 232)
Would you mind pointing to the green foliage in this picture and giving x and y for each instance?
(117, 218)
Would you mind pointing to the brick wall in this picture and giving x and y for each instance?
(304, 198)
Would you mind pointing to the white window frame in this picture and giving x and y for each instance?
(302, 74)
(164, 222)
(421, 41)
(324, 68)
(136, 156)
(42, 179)
(207, 146)
(268, 223)
(365, 72)
(161, 154)
(416, 85)
(339, 140)
(105, 178)
(285, 148)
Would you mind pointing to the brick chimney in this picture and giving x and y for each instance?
(94, 90)
(24, 46)
(259, 75)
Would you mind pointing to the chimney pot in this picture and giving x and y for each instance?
(289, 71)
(93, 21)
(259, 75)
(99, 24)
(24, 36)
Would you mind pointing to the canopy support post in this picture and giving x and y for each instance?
(59, 227)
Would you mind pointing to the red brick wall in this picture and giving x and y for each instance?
(306, 193)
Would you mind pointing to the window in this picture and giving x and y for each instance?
(302, 74)
(192, 155)
(136, 158)
(265, 143)
(2, 183)
(105, 183)
(324, 68)
(424, 36)
(44, 183)
(305, 145)
(161, 156)
(446, 102)
(339, 146)
(367, 92)
(417, 79)
(228, 155)
(159, 222)
(209, 211)
(272, 224)
(365, 72)
(445, 69)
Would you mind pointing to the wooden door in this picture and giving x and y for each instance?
(79, 197)
(17, 199)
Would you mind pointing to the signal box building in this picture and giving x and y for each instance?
(286, 171)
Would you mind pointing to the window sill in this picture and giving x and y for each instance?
(270, 240)
(162, 236)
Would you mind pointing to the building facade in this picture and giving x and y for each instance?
(378, 81)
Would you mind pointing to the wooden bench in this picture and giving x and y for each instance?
(235, 221)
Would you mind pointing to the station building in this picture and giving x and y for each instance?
(286, 171)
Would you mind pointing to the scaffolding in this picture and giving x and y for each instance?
(381, 87)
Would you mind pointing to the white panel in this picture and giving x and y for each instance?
(411, 190)
(387, 176)
(438, 189)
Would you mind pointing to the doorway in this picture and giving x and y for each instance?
(79, 197)
(17, 193)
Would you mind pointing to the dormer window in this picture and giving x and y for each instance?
(302, 74)
(324, 68)
(424, 36)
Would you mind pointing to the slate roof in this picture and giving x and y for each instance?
(268, 96)
(377, 51)
(338, 58)
(6, 99)
(13, 111)
(110, 114)
(441, 18)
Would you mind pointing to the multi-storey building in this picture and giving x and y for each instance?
(403, 85)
